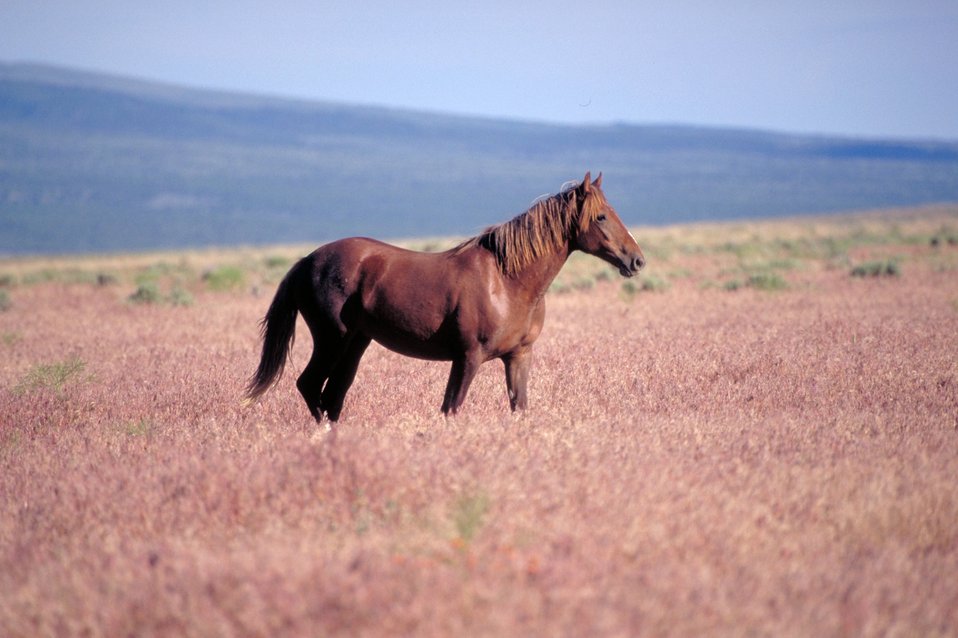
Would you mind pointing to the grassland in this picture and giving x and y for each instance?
(749, 440)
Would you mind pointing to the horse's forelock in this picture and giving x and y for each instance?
(591, 207)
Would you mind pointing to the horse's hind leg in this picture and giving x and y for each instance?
(327, 348)
(342, 375)
(310, 384)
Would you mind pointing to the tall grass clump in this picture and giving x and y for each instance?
(53, 376)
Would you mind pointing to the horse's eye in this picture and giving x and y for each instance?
(600, 218)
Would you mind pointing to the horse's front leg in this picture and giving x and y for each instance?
(460, 378)
(517, 377)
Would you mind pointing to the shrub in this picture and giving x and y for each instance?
(224, 278)
(180, 297)
(39, 277)
(105, 279)
(878, 268)
(565, 284)
(654, 283)
(650, 283)
(277, 261)
(5, 303)
(146, 293)
(732, 285)
(583, 283)
(766, 281)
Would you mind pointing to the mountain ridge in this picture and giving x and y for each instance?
(92, 162)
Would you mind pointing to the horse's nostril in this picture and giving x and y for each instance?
(638, 263)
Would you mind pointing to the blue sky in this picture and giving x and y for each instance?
(861, 68)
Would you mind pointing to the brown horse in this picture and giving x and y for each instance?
(482, 300)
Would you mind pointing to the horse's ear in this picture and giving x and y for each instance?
(586, 183)
(598, 181)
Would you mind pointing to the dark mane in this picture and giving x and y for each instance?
(541, 230)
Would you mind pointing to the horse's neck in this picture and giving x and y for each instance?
(538, 275)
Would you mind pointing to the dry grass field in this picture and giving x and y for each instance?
(757, 437)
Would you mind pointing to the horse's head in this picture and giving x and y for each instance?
(602, 233)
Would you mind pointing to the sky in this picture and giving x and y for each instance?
(863, 68)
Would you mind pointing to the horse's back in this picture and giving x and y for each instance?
(357, 262)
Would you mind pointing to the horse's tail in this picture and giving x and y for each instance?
(277, 328)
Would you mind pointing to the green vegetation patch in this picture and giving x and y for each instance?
(763, 280)
(468, 513)
(61, 275)
(650, 282)
(5, 303)
(767, 280)
(141, 427)
(942, 239)
(277, 262)
(53, 376)
(654, 283)
(180, 297)
(148, 292)
(224, 278)
(561, 287)
(877, 268)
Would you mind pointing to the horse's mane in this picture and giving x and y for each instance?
(541, 230)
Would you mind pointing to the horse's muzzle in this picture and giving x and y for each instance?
(631, 266)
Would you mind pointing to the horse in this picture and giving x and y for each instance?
(484, 299)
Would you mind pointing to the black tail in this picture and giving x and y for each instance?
(277, 330)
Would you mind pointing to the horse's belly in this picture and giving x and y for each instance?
(423, 335)
(431, 350)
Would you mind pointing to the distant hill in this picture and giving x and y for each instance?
(92, 163)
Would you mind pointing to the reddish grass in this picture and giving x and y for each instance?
(695, 461)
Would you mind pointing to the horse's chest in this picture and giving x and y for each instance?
(510, 325)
